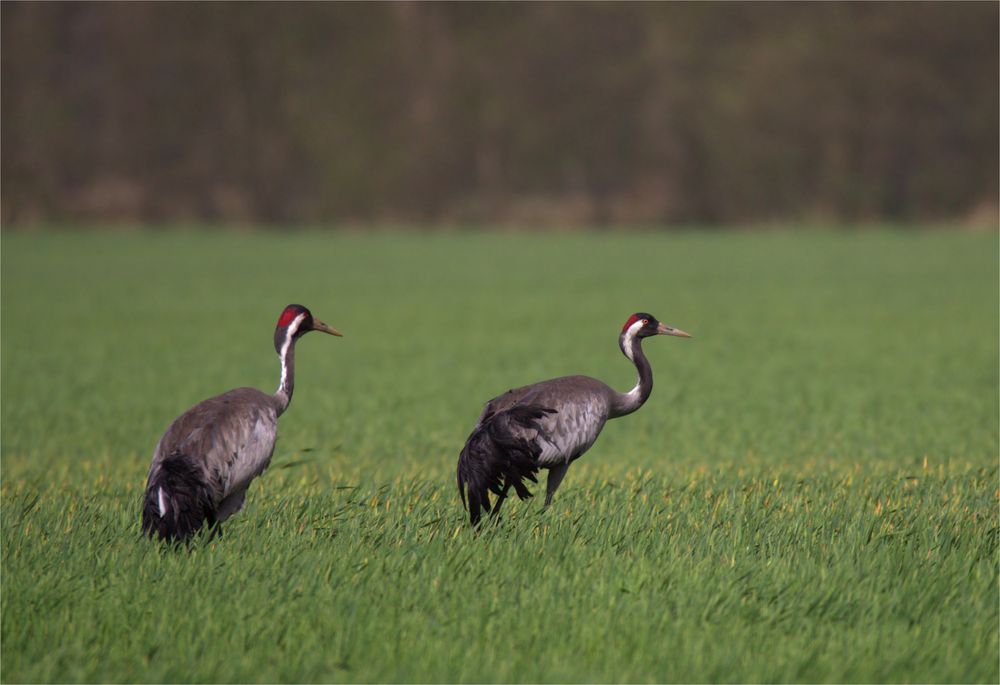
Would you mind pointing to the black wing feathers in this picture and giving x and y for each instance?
(186, 500)
(496, 454)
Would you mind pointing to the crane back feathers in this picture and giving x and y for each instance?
(501, 453)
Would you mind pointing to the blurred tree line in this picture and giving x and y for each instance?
(589, 113)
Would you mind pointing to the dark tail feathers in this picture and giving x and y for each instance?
(494, 453)
(177, 501)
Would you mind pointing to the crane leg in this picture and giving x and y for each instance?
(556, 474)
(214, 526)
(232, 504)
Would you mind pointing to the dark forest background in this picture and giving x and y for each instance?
(486, 113)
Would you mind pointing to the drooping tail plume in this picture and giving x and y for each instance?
(500, 453)
(177, 500)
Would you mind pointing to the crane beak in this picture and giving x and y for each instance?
(323, 328)
(664, 329)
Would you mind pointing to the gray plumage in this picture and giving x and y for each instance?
(556, 422)
(206, 459)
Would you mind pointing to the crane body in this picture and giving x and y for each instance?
(548, 425)
(206, 459)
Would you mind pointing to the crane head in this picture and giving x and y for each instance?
(294, 322)
(643, 325)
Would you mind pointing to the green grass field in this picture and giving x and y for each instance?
(810, 494)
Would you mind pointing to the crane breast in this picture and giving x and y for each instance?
(251, 452)
(571, 432)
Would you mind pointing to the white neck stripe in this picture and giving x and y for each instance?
(630, 334)
(289, 336)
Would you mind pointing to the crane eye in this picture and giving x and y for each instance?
(645, 322)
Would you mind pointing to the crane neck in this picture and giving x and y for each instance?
(626, 403)
(286, 385)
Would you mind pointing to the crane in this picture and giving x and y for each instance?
(203, 464)
(548, 425)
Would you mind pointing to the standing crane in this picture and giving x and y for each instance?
(205, 461)
(548, 425)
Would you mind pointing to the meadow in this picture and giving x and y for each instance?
(810, 494)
